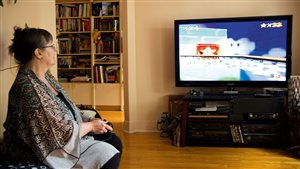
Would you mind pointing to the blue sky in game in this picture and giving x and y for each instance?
(256, 38)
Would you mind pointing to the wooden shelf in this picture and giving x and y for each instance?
(78, 24)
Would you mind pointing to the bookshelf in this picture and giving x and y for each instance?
(89, 57)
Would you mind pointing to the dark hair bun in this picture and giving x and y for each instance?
(25, 41)
(17, 38)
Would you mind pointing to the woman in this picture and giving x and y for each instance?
(42, 122)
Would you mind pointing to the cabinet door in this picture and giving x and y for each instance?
(108, 94)
(68, 88)
(82, 93)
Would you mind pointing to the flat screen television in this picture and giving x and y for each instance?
(233, 52)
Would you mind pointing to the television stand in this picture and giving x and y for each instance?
(232, 120)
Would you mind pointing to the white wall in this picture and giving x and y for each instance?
(36, 13)
(154, 48)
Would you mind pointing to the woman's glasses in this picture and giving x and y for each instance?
(50, 46)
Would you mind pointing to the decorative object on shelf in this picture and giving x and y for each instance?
(1, 2)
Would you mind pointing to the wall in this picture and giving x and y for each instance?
(151, 61)
(36, 14)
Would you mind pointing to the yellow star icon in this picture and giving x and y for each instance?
(263, 25)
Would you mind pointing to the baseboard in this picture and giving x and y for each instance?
(108, 108)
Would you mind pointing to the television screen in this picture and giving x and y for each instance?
(244, 51)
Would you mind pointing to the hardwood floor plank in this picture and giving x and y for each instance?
(150, 151)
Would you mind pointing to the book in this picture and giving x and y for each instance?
(97, 9)
(96, 74)
(101, 74)
(80, 79)
(86, 25)
(65, 62)
(236, 134)
(115, 9)
(116, 25)
(107, 8)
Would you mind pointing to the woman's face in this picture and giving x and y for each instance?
(49, 54)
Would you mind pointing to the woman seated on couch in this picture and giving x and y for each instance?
(42, 122)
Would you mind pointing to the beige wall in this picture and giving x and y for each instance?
(150, 54)
(36, 13)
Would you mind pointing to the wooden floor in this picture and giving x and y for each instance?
(150, 151)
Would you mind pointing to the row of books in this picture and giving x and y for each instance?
(73, 10)
(106, 42)
(73, 25)
(102, 74)
(107, 46)
(106, 24)
(74, 62)
(106, 74)
(105, 9)
(66, 75)
(85, 61)
(74, 44)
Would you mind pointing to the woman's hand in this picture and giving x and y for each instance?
(96, 126)
(100, 126)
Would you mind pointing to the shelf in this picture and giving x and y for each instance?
(71, 1)
(111, 31)
(99, 1)
(105, 17)
(72, 54)
(88, 35)
(74, 17)
(74, 32)
(74, 68)
(107, 63)
(106, 54)
(208, 116)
